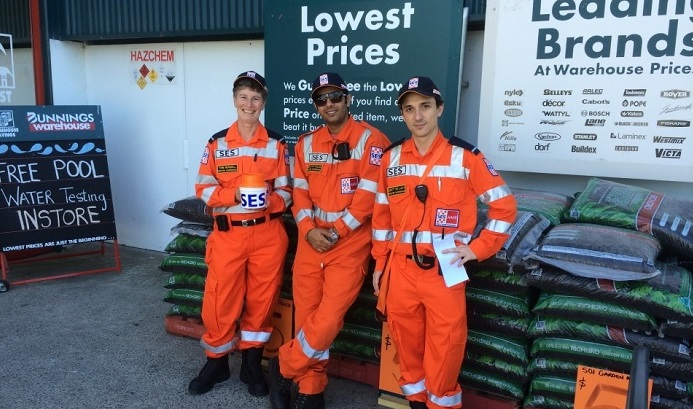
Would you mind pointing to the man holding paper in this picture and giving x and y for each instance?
(423, 221)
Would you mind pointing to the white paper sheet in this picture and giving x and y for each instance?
(451, 273)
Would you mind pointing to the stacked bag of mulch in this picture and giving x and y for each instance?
(611, 278)
(185, 262)
(499, 301)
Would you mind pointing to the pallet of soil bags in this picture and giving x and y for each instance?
(666, 296)
(595, 251)
(668, 219)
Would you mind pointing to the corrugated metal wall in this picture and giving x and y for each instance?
(14, 19)
(103, 21)
(117, 20)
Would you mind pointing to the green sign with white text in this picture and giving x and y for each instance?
(374, 46)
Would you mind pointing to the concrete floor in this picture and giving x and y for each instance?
(98, 341)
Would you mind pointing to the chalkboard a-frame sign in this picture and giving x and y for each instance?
(54, 181)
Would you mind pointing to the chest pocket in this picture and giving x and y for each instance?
(448, 196)
(229, 171)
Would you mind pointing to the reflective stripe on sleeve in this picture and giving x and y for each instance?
(329, 217)
(300, 184)
(498, 226)
(281, 181)
(207, 193)
(381, 198)
(368, 185)
(383, 235)
(496, 193)
(206, 180)
(302, 214)
(350, 221)
(286, 197)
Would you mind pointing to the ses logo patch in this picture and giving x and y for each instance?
(447, 218)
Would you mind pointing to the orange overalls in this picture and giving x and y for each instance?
(329, 193)
(245, 263)
(428, 320)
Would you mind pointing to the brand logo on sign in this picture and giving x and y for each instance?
(636, 103)
(630, 123)
(6, 119)
(595, 101)
(557, 92)
(60, 122)
(674, 123)
(632, 114)
(585, 136)
(592, 91)
(668, 139)
(667, 109)
(668, 153)
(547, 136)
(675, 94)
(595, 122)
(583, 149)
(626, 148)
(506, 147)
(514, 112)
(634, 92)
(508, 136)
(632, 136)
(447, 218)
(514, 92)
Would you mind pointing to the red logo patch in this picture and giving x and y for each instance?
(350, 184)
(447, 218)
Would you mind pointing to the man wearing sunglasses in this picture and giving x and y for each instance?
(335, 180)
(428, 190)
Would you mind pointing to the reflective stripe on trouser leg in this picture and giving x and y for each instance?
(264, 273)
(325, 286)
(441, 350)
(406, 319)
(224, 291)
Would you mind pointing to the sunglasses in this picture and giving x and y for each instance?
(335, 97)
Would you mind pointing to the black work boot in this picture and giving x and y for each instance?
(315, 401)
(251, 371)
(215, 370)
(280, 387)
(417, 405)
